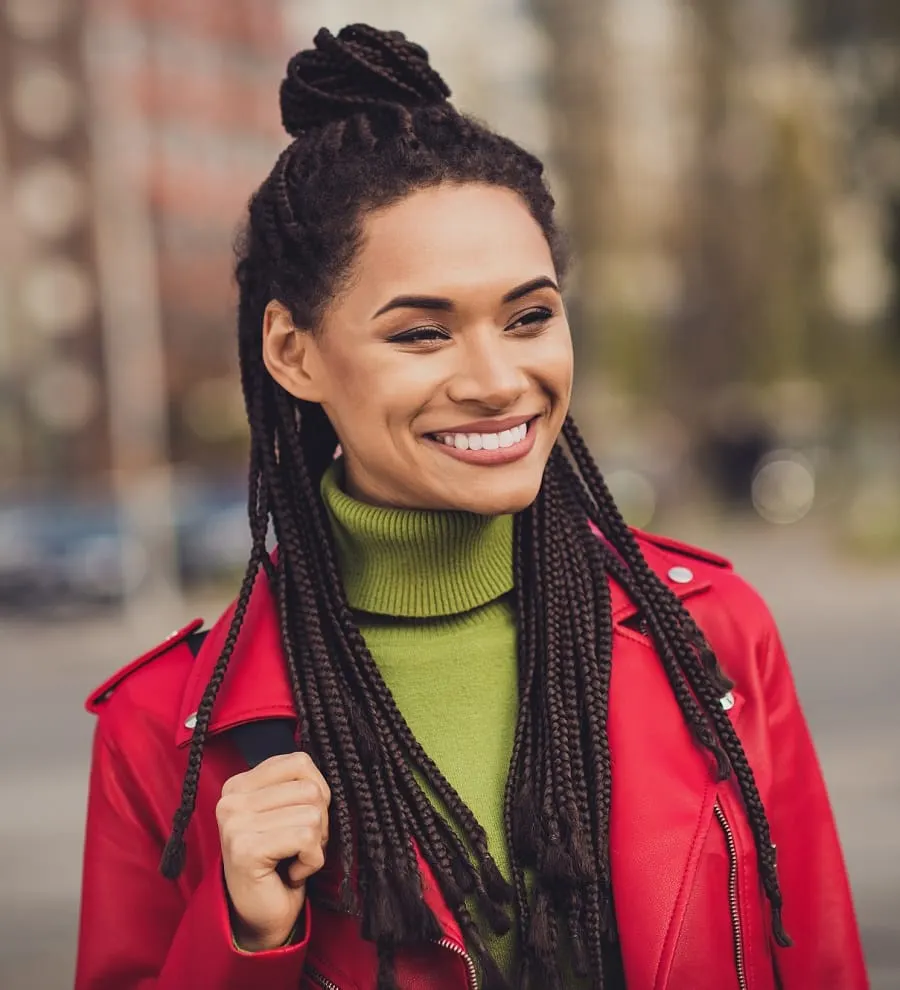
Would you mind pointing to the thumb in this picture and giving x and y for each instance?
(294, 873)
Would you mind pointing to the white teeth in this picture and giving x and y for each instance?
(484, 441)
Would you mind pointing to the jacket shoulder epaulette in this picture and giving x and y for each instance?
(98, 696)
(684, 549)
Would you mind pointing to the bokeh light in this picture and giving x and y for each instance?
(784, 487)
(37, 20)
(634, 494)
(43, 100)
(49, 198)
(57, 296)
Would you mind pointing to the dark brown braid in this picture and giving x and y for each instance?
(371, 124)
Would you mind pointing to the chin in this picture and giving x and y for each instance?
(494, 500)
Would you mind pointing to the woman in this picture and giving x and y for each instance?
(533, 747)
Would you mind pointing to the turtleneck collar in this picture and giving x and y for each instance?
(417, 563)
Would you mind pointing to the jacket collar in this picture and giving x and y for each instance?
(680, 575)
(256, 684)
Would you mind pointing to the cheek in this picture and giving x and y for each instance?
(553, 363)
(383, 388)
(364, 402)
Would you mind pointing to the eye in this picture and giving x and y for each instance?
(419, 335)
(533, 321)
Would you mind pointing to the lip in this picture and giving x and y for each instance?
(490, 458)
(486, 425)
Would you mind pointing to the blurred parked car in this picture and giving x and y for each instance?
(61, 552)
(213, 533)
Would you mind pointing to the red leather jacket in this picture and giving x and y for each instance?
(689, 907)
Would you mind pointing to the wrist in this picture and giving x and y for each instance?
(249, 940)
(246, 942)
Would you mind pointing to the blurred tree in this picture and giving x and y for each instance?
(713, 315)
(753, 313)
(769, 278)
(830, 22)
(576, 91)
(894, 259)
(714, 328)
(859, 42)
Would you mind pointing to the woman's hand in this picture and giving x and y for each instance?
(278, 810)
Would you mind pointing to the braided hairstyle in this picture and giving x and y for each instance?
(371, 123)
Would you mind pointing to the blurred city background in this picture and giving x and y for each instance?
(729, 171)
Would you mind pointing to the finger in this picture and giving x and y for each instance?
(276, 770)
(292, 802)
(288, 794)
(297, 872)
(311, 816)
(301, 845)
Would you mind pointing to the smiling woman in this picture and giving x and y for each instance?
(451, 326)
(495, 736)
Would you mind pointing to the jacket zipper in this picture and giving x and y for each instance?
(319, 979)
(733, 898)
(445, 943)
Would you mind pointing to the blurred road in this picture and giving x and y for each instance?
(841, 623)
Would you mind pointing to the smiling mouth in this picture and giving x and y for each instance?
(484, 439)
(488, 448)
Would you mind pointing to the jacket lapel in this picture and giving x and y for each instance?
(663, 792)
(256, 684)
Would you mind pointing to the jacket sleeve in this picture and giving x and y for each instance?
(139, 931)
(818, 905)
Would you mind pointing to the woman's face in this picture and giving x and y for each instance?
(445, 364)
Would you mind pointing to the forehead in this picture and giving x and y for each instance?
(451, 236)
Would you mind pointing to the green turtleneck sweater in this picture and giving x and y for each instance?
(431, 594)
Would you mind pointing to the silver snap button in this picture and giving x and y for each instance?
(681, 575)
(727, 701)
(191, 721)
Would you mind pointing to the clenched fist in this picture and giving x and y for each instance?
(276, 811)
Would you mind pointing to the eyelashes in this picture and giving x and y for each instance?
(419, 334)
(530, 323)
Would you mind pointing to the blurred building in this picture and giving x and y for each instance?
(51, 394)
(131, 135)
(649, 125)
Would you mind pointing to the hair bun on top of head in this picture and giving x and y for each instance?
(362, 68)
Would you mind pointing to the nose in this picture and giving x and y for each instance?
(488, 373)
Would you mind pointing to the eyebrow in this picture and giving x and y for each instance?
(446, 305)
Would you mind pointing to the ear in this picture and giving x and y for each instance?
(291, 355)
